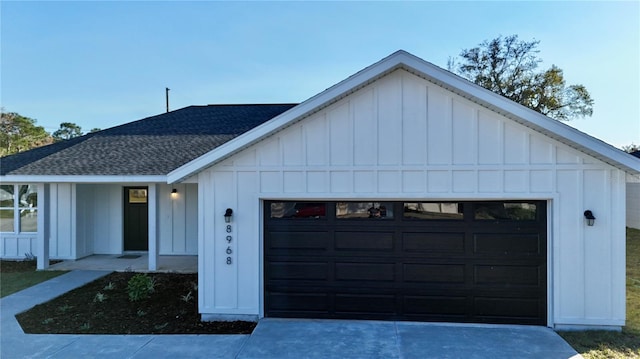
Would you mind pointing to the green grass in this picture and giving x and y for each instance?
(604, 344)
(16, 276)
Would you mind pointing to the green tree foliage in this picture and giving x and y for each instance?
(67, 131)
(509, 67)
(19, 133)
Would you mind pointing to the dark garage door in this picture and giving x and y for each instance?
(479, 262)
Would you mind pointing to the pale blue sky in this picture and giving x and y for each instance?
(100, 64)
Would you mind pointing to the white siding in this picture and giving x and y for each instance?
(178, 219)
(403, 137)
(633, 202)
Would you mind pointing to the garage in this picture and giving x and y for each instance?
(482, 262)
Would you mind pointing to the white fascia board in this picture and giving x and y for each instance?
(82, 179)
(402, 59)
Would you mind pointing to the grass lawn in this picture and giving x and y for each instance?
(18, 275)
(603, 344)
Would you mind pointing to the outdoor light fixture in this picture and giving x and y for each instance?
(588, 215)
(227, 215)
(174, 193)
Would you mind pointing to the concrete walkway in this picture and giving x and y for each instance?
(276, 338)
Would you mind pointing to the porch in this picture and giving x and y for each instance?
(134, 262)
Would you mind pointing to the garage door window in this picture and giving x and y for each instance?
(373, 210)
(300, 210)
(433, 210)
(515, 211)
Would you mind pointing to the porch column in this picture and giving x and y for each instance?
(153, 227)
(43, 226)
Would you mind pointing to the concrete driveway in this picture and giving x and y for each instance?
(276, 338)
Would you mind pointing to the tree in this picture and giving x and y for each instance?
(631, 148)
(95, 129)
(508, 66)
(67, 130)
(19, 133)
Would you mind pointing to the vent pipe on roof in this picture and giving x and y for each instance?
(166, 93)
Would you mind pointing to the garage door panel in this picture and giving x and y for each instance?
(435, 305)
(507, 244)
(298, 270)
(430, 242)
(364, 303)
(434, 273)
(291, 302)
(507, 307)
(508, 275)
(373, 272)
(299, 240)
(364, 241)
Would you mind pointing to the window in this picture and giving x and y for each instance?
(433, 210)
(298, 210)
(376, 210)
(515, 211)
(18, 208)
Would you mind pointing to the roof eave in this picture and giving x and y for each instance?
(83, 179)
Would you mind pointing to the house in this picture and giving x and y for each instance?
(403, 192)
(633, 198)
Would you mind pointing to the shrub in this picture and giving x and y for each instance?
(139, 287)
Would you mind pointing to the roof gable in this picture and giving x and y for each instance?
(456, 84)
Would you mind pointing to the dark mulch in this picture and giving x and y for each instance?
(103, 307)
(8, 266)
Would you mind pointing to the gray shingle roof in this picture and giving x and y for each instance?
(152, 146)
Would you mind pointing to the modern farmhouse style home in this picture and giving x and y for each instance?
(401, 193)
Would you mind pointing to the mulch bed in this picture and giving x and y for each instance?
(103, 307)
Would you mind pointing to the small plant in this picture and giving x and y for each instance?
(28, 256)
(109, 286)
(64, 308)
(141, 313)
(186, 298)
(99, 298)
(85, 326)
(194, 286)
(128, 269)
(140, 286)
(47, 321)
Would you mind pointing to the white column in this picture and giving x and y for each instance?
(43, 226)
(152, 198)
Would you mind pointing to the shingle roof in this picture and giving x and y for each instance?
(152, 146)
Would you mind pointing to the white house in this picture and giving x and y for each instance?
(403, 192)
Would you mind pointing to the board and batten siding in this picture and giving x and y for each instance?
(403, 137)
(633, 201)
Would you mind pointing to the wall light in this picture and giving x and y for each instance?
(174, 193)
(227, 215)
(591, 219)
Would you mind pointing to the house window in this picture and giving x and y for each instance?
(377, 210)
(433, 210)
(18, 208)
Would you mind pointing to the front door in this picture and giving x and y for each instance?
(136, 219)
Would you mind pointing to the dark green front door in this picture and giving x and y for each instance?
(136, 219)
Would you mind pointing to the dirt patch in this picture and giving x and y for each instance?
(103, 307)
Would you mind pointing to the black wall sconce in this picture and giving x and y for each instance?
(174, 193)
(227, 215)
(591, 219)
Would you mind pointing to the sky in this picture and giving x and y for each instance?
(101, 64)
